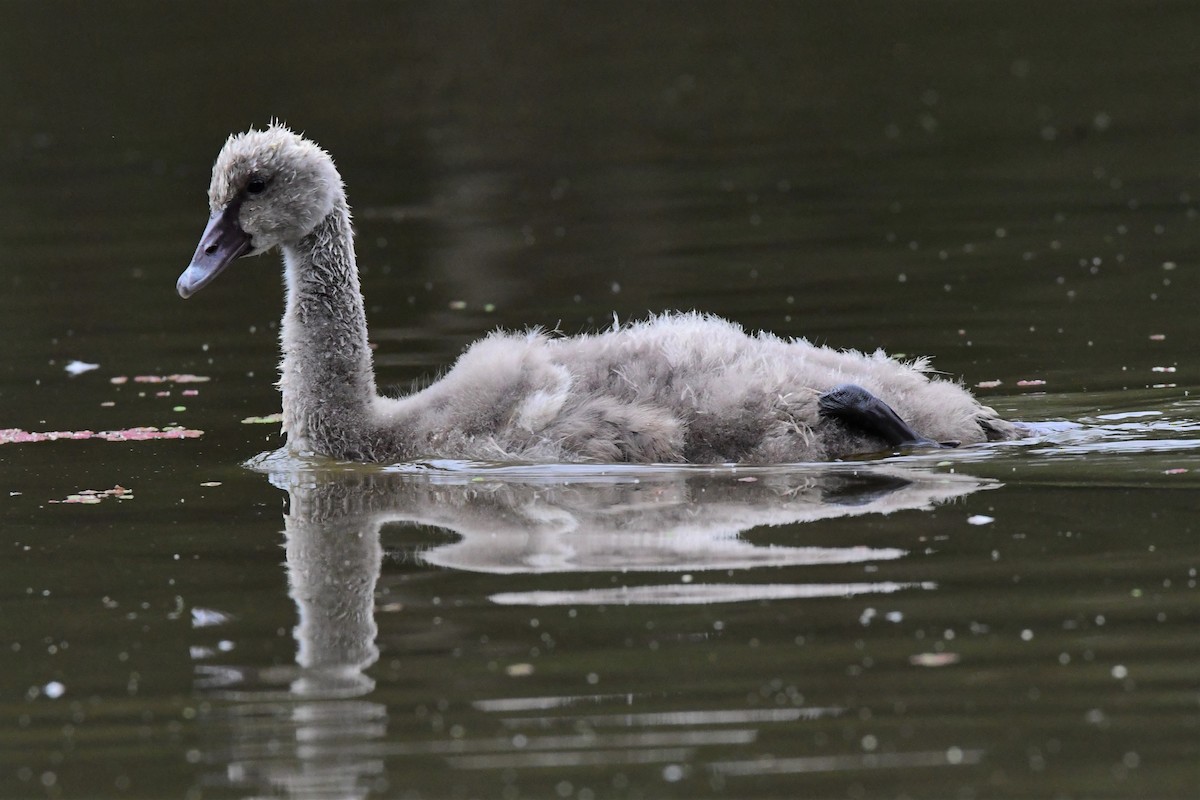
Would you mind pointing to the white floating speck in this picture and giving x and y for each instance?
(207, 617)
(980, 519)
(933, 659)
(80, 367)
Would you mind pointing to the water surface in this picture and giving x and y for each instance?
(1007, 187)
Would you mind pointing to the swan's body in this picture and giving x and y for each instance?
(675, 388)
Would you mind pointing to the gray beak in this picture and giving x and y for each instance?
(223, 241)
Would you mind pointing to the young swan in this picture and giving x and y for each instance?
(674, 388)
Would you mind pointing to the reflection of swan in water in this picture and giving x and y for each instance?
(333, 566)
(542, 520)
(312, 739)
(320, 737)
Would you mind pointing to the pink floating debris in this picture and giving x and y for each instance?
(92, 496)
(173, 378)
(143, 434)
(1158, 337)
(1175, 471)
(18, 436)
(190, 392)
(1033, 382)
(1162, 369)
(139, 434)
(78, 498)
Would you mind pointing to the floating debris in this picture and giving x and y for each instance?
(93, 496)
(1162, 369)
(988, 384)
(1032, 382)
(276, 417)
(1158, 337)
(174, 378)
(79, 367)
(980, 519)
(1175, 471)
(208, 617)
(210, 484)
(139, 434)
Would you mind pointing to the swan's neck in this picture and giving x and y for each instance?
(326, 377)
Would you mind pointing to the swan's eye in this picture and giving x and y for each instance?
(255, 185)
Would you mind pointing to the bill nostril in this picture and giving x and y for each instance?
(208, 251)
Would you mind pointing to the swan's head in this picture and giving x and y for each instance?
(269, 188)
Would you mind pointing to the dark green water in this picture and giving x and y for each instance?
(1009, 187)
